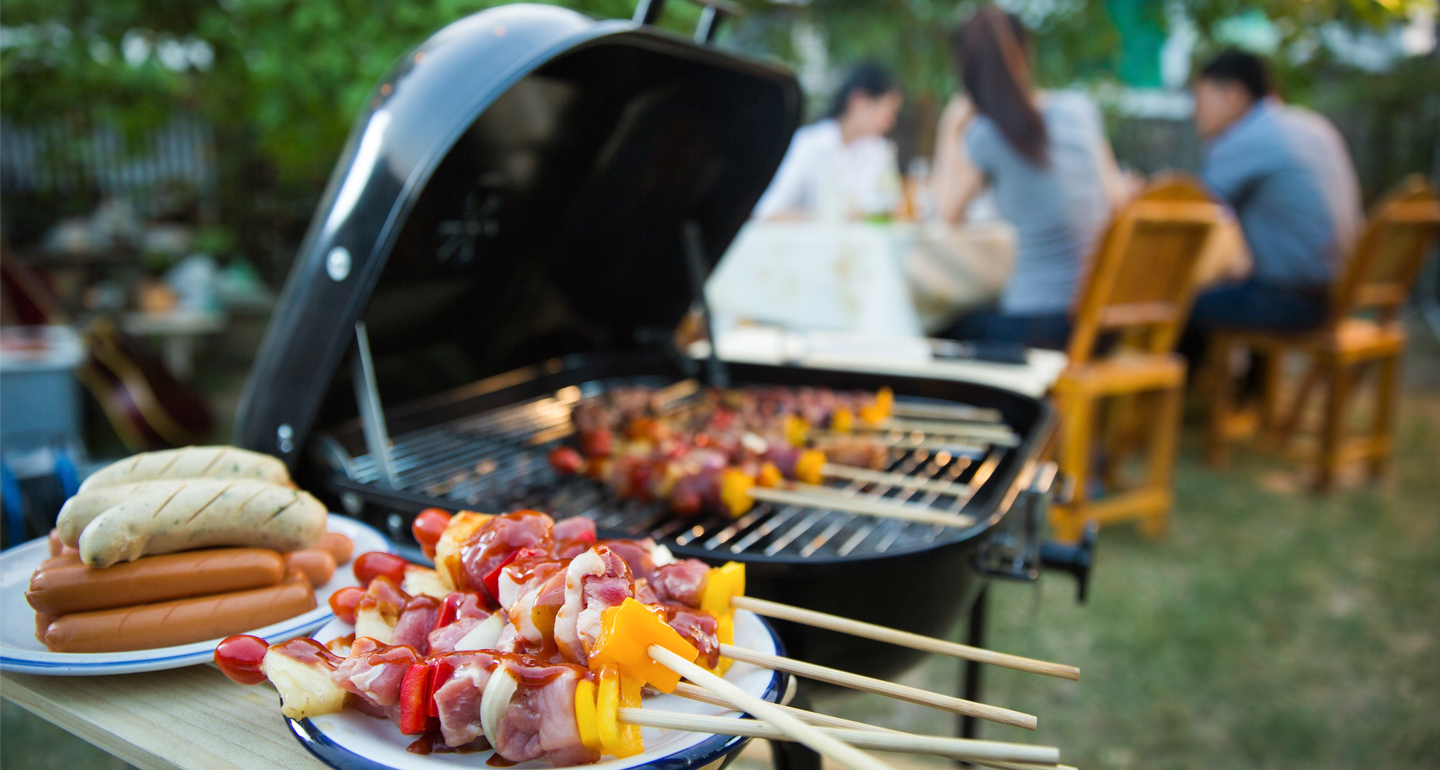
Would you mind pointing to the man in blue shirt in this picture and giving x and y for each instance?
(1287, 174)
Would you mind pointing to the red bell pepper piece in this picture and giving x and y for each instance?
(414, 691)
(492, 580)
(444, 668)
(449, 609)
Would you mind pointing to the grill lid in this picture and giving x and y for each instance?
(515, 190)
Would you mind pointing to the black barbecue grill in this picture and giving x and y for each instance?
(506, 234)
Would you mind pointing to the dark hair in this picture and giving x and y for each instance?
(991, 49)
(1241, 67)
(871, 79)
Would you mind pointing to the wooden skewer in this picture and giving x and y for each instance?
(700, 695)
(902, 638)
(881, 687)
(895, 479)
(779, 720)
(946, 412)
(999, 435)
(814, 496)
(956, 748)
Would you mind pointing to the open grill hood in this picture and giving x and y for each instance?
(515, 191)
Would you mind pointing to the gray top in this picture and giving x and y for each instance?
(1058, 211)
(1287, 174)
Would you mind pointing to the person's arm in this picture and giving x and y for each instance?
(957, 178)
(785, 198)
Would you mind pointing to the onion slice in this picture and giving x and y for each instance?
(483, 636)
(496, 701)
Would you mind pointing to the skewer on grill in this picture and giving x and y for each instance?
(1029, 756)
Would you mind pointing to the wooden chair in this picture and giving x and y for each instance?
(1137, 297)
(1362, 331)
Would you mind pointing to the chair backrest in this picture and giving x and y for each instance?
(1389, 253)
(1142, 276)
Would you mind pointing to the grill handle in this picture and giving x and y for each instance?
(1074, 558)
(712, 14)
(1019, 551)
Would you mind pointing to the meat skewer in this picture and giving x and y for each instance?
(720, 589)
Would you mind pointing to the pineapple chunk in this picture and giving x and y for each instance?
(371, 622)
(462, 527)
(421, 580)
(305, 689)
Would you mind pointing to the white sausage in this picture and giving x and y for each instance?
(213, 462)
(82, 509)
(204, 514)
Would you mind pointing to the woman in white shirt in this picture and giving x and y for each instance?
(841, 167)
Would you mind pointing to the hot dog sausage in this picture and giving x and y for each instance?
(204, 513)
(317, 565)
(338, 545)
(64, 585)
(196, 462)
(181, 621)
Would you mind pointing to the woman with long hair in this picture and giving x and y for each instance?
(1044, 158)
(841, 167)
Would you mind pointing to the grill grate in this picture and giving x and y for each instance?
(497, 461)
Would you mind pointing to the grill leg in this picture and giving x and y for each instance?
(975, 637)
(788, 755)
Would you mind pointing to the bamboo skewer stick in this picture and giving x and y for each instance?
(778, 719)
(881, 687)
(815, 496)
(700, 695)
(999, 435)
(902, 638)
(895, 479)
(946, 412)
(955, 748)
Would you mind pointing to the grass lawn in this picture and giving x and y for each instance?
(1272, 629)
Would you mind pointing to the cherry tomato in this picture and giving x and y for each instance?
(376, 563)
(343, 602)
(427, 528)
(239, 658)
(566, 461)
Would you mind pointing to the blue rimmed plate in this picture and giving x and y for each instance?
(21, 652)
(352, 741)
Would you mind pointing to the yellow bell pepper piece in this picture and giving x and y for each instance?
(769, 476)
(885, 400)
(735, 491)
(796, 429)
(807, 468)
(721, 585)
(586, 717)
(725, 633)
(616, 692)
(843, 421)
(626, 633)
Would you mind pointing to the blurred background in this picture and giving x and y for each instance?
(160, 161)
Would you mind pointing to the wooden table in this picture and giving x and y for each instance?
(182, 719)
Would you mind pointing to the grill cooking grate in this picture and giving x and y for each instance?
(496, 461)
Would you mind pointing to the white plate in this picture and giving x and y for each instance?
(21, 652)
(352, 741)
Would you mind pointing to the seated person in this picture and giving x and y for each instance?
(1045, 158)
(1286, 173)
(841, 167)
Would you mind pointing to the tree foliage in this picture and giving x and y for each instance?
(281, 80)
